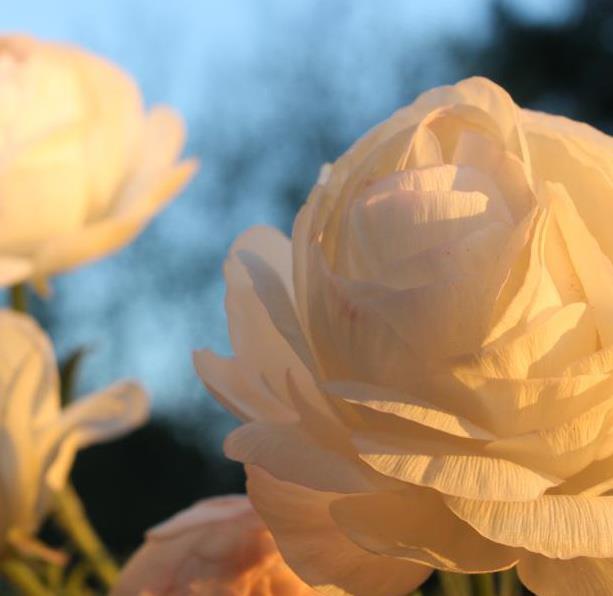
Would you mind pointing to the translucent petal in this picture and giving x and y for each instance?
(317, 550)
(556, 526)
(417, 455)
(290, 454)
(552, 577)
(594, 269)
(416, 525)
(108, 235)
(403, 405)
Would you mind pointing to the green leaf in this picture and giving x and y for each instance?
(69, 371)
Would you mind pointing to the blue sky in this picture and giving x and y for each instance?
(260, 84)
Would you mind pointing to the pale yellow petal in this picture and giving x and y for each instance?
(503, 173)
(418, 455)
(579, 161)
(572, 577)
(349, 337)
(403, 405)
(247, 396)
(14, 270)
(441, 206)
(508, 407)
(44, 191)
(416, 525)
(318, 551)
(29, 400)
(556, 526)
(290, 454)
(20, 468)
(565, 450)
(259, 302)
(452, 317)
(22, 338)
(544, 350)
(527, 292)
(112, 125)
(594, 269)
(162, 140)
(478, 92)
(109, 235)
(594, 480)
(277, 301)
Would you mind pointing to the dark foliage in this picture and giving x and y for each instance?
(138, 481)
(564, 67)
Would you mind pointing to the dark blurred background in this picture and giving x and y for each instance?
(270, 90)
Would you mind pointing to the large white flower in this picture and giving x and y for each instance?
(39, 440)
(426, 369)
(83, 167)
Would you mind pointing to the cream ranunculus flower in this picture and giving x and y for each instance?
(39, 440)
(426, 369)
(217, 547)
(83, 167)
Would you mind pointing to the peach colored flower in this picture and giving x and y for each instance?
(83, 166)
(425, 371)
(38, 439)
(217, 547)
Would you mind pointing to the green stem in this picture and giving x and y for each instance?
(454, 584)
(23, 577)
(77, 580)
(484, 584)
(71, 516)
(509, 586)
(19, 298)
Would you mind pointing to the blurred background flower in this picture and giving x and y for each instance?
(84, 168)
(39, 439)
(269, 90)
(217, 547)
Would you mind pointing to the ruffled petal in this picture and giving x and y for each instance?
(349, 337)
(403, 405)
(418, 455)
(318, 551)
(574, 577)
(247, 396)
(555, 526)
(489, 99)
(565, 450)
(547, 347)
(290, 454)
(576, 156)
(276, 300)
(253, 332)
(503, 173)
(452, 317)
(416, 525)
(594, 269)
(509, 407)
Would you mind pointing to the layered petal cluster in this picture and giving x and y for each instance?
(217, 547)
(83, 167)
(425, 370)
(39, 439)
